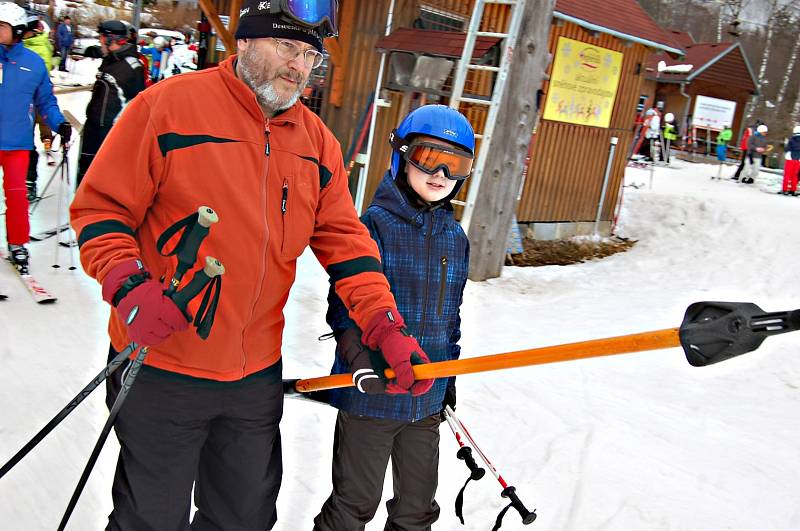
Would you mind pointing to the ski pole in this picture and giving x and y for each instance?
(508, 491)
(711, 332)
(206, 217)
(64, 196)
(200, 280)
(464, 453)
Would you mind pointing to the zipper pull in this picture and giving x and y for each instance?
(266, 149)
(444, 260)
(284, 196)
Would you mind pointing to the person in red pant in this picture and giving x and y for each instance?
(791, 170)
(25, 88)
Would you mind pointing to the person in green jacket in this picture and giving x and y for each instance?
(723, 138)
(36, 40)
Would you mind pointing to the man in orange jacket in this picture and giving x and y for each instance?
(235, 138)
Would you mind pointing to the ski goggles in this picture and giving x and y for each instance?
(310, 13)
(430, 158)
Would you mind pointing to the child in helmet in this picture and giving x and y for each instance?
(425, 257)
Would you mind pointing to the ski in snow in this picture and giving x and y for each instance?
(39, 294)
(49, 233)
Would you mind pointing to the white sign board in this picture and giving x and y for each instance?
(712, 113)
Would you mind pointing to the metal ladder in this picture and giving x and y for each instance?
(458, 97)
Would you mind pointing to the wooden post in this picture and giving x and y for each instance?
(496, 203)
(222, 32)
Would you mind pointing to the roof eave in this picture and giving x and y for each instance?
(625, 36)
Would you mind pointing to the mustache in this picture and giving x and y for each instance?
(294, 76)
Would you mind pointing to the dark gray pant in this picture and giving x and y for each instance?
(223, 437)
(361, 450)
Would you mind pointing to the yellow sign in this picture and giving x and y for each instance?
(583, 84)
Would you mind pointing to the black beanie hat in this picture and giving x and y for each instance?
(255, 22)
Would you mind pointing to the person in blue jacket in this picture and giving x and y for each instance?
(64, 40)
(425, 257)
(25, 89)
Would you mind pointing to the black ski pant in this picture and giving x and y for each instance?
(745, 158)
(361, 450)
(92, 138)
(176, 431)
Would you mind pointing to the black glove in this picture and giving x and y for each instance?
(65, 131)
(450, 395)
(366, 365)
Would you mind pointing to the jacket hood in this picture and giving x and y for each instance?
(389, 197)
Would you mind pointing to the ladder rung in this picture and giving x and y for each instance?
(458, 202)
(507, 2)
(491, 34)
(475, 100)
(484, 67)
(478, 136)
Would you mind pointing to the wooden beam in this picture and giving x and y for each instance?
(496, 202)
(339, 50)
(236, 6)
(222, 32)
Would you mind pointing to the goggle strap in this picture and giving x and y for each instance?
(398, 143)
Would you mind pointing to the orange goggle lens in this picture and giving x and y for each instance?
(432, 157)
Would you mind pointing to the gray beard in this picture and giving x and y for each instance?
(268, 98)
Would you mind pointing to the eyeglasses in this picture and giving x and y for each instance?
(289, 51)
(430, 158)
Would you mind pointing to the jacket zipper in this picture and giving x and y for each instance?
(424, 299)
(284, 199)
(442, 283)
(265, 246)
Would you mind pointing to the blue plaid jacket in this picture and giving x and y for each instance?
(425, 257)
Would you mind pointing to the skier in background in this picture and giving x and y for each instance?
(748, 131)
(791, 168)
(411, 219)
(120, 78)
(64, 40)
(756, 148)
(670, 134)
(25, 88)
(723, 138)
(36, 40)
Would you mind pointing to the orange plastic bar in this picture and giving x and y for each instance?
(594, 348)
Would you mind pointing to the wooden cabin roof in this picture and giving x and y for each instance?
(719, 63)
(434, 42)
(622, 18)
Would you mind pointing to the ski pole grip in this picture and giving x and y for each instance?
(527, 516)
(476, 472)
(213, 268)
(187, 254)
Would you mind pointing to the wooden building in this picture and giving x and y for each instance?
(568, 161)
(719, 70)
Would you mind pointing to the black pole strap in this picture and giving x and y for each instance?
(499, 522)
(460, 501)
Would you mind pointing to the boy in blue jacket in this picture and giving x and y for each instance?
(425, 257)
(25, 89)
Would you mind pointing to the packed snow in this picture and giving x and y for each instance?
(632, 442)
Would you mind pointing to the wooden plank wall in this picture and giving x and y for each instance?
(362, 63)
(568, 163)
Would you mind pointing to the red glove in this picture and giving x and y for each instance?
(387, 332)
(151, 317)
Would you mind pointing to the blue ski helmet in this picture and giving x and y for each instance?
(437, 121)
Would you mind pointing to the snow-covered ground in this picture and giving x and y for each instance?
(639, 442)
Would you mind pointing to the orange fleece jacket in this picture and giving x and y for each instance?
(278, 186)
